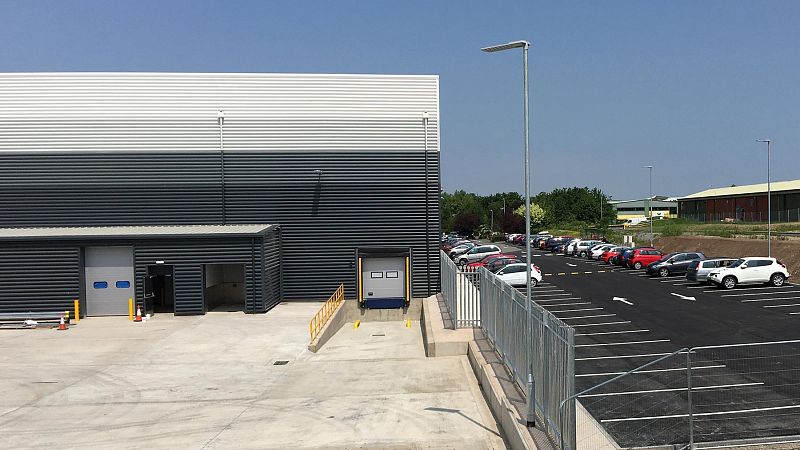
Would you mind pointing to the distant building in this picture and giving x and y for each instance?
(743, 203)
(662, 207)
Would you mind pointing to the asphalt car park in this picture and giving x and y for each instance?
(624, 318)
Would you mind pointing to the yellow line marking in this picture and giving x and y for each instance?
(356, 324)
(562, 273)
(576, 273)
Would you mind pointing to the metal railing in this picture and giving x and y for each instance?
(694, 398)
(461, 292)
(503, 320)
(324, 314)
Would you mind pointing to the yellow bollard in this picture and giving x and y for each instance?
(77, 311)
(355, 325)
(66, 316)
(130, 308)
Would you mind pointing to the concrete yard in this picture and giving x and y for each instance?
(210, 382)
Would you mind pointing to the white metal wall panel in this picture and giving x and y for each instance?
(178, 111)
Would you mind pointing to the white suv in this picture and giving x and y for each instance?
(515, 274)
(477, 253)
(750, 270)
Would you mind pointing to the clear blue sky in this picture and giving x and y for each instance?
(686, 86)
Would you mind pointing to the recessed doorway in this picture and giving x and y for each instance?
(159, 289)
(224, 287)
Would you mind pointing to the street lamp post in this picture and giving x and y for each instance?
(524, 45)
(650, 204)
(491, 227)
(769, 199)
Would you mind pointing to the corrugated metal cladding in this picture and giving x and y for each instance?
(178, 111)
(339, 161)
(39, 278)
(46, 276)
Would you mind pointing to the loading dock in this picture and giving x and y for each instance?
(383, 278)
(108, 280)
(224, 287)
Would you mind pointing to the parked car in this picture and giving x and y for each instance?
(608, 256)
(750, 270)
(674, 264)
(498, 263)
(698, 270)
(473, 266)
(583, 246)
(515, 274)
(477, 253)
(642, 257)
(454, 243)
(597, 251)
(460, 250)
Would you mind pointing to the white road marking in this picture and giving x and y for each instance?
(716, 366)
(599, 324)
(587, 317)
(567, 304)
(782, 306)
(549, 290)
(768, 299)
(623, 343)
(572, 265)
(641, 275)
(701, 388)
(785, 286)
(793, 313)
(553, 295)
(761, 293)
(717, 413)
(555, 300)
(611, 332)
(645, 355)
(683, 297)
(622, 299)
(575, 310)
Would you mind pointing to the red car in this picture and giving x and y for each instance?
(472, 267)
(643, 256)
(614, 251)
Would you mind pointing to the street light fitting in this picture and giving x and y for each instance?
(763, 140)
(510, 45)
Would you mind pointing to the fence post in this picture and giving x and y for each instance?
(689, 396)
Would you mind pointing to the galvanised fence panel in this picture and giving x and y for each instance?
(461, 291)
(543, 348)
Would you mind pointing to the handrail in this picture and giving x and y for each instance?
(321, 317)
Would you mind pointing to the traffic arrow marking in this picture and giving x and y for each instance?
(684, 297)
(623, 300)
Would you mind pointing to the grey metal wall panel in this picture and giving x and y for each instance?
(271, 257)
(187, 256)
(39, 278)
(361, 199)
(178, 111)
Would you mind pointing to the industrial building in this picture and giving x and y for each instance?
(192, 192)
(660, 208)
(743, 203)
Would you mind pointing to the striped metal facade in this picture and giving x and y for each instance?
(47, 275)
(341, 162)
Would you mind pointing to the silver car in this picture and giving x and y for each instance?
(698, 270)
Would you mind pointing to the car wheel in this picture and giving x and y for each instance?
(582, 254)
(462, 263)
(777, 279)
(663, 272)
(637, 265)
(534, 283)
(729, 282)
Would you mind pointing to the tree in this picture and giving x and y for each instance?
(537, 214)
(466, 223)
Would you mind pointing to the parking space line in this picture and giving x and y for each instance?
(710, 288)
(600, 324)
(705, 414)
(792, 313)
(550, 290)
(720, 386)
(604, 374)
(554, 295)
(587, 317)
(785, 286)
(623, 343)
(575, 310)
(555, 299)
(782, 306)
(768, 299)
(668, 280)
(761, 293)
(644, 355)
(567, 304)
(611, 332)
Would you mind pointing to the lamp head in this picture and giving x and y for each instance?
(508, 46)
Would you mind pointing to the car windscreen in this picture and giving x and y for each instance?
(737, 263)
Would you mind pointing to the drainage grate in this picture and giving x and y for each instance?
(280, 363)
(379, 334)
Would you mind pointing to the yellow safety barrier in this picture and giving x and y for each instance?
(77, 311)
(325, 313)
